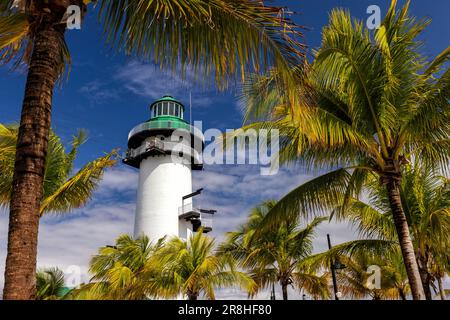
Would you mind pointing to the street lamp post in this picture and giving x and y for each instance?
(272, 294)
(335, 265)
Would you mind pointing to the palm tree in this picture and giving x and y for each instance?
(64, 190)
(216, 37)
(354, 279)
(369, 105)
(426, 201)
(119, 271)
(273, 255)
(136, 269)
(50, 284)
(192, 268)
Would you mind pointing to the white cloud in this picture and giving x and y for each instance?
(72, 239)
(119, 179)
(149, 81)
(97, 92)
(231, 190)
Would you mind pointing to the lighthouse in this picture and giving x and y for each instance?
(166, 149)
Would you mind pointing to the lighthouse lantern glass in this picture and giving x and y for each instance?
(167, 108)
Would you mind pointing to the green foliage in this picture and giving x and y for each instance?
(215, 38)
(425, 198)
(137, 269)
(192, 268)
(355, 282)
(64, 189)
(369, 99)
(274, 254)
(369, 105)
(119, 271)
(50, 285)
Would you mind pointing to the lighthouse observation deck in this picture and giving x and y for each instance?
(165, 133)
(200, 218)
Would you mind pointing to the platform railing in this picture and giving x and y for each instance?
(206, 222)
(187, 208)
(164, 125)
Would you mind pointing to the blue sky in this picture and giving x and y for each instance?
(107, 94)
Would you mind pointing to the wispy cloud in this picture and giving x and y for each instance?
(98, 92)
(149, 81)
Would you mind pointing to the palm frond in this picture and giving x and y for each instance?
(237, 36)
(311, 198)
(77, 190)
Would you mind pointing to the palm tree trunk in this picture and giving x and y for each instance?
(441, 288)
(284, 290)
(401, 293)
(192, 297)
(29, 168)
(404, 238)
(426, 282)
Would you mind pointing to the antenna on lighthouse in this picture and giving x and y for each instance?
(190, 107)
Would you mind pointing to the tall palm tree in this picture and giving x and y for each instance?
(274, 254)
(192, 268)
(426, 201)
(354, 279)
(369, 104)
(119, 271)
(50, 284)
(64, 190)
(136, 269)
(216, 37)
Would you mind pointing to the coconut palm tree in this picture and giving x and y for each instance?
(136, 269)
(369, 104)
(64, 190)
(119, 271)
(215, 37)
(273, 255)
(426, 201)
(50, 284)
(192, 268)
(355, 279)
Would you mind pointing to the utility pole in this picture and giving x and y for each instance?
(333, 272)
(190, 108)
(272, 294)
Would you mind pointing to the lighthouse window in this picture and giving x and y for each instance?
(158, 109)
(177, 110)
(165, 107)
(171, 109)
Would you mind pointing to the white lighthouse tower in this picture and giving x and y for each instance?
(166, 149)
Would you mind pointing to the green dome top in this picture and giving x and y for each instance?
(167, 106)
(167, 98)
